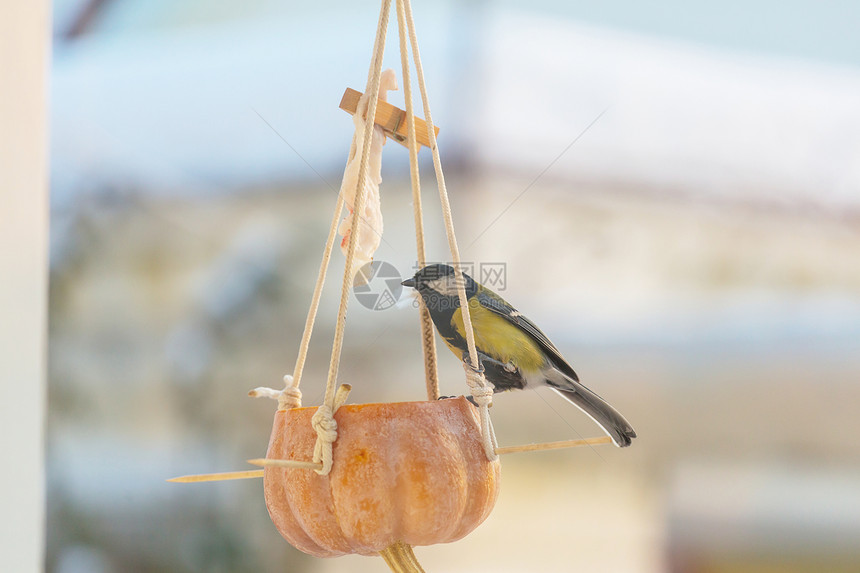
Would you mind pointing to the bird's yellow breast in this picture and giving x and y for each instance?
(499, 339)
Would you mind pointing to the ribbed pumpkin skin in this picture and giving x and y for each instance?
(411, 471)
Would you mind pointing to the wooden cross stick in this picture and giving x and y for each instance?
(218, 477)
(390, 118)
(269, 462)
(266, 462)
(554, 445)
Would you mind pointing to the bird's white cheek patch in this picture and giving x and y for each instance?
(440, 286)
(445, 286)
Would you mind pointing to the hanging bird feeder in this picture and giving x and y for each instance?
(409, 472)
(377, 479)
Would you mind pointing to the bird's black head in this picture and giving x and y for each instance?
(437, 285)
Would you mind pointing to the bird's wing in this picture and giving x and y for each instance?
(493, 302)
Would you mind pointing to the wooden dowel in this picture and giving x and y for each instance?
(225, 476)
(390, 118)
(554, 445)
(266, 463)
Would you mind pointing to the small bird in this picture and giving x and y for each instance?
(514, 352)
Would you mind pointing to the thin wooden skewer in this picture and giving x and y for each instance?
(218, 477)
(554, 445)
(265, 462)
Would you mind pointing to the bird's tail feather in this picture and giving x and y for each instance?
(607, 417)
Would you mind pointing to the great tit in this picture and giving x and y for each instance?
(514, 352)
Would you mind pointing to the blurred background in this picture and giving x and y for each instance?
(673, 189)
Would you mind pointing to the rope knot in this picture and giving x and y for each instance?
(482, 394)
(291, 396)
(482, 391)
(325, 426)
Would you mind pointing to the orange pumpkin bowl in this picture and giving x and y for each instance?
(408, 472)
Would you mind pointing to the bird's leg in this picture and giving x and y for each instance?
(467, 359)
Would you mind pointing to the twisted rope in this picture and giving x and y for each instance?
(326, 427)
(296, 378)
(323, 419)
(478, 379)
(428, 337)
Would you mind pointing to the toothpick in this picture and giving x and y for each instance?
(554, 445)
(267, 463)
(225, 476)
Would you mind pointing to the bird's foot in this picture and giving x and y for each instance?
(469, 398)
(467, 360)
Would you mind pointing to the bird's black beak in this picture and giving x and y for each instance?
(409, 282)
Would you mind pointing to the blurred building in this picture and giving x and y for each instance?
(675, 204)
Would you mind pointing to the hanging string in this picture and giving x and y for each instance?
(325, 426)
(291, 396)
(428, 337)
(323, 420)
(474, 370)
